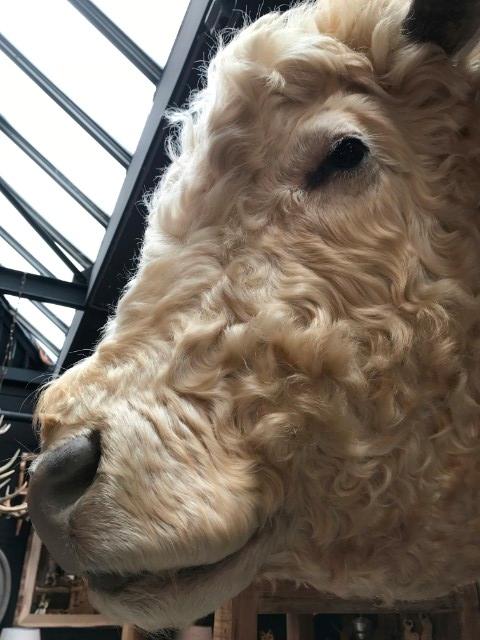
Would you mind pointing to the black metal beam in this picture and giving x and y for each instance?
(16, 416)
(52, 237)
(83, 200)
(25, 376)
(119, 39)
(67, 294)
(69, 106)
(20, 249)
(28, 351)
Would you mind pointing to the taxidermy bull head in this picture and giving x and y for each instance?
(290, 385)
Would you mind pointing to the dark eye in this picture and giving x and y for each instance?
(345, 155)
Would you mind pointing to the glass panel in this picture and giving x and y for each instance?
(38, 320)
(58, 137)
(49, 199)
(90, 70)
(152, 25)
(13, 260)
(19, 228)
(64, 313)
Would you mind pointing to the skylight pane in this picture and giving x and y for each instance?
(64, 313)
(152, 25)
(40, 322)
(49, 199)
(19, 228)
(90, 70)
(36, 318)
(58, 137)
(12, 259)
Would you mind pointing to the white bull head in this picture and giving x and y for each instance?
(290, 384)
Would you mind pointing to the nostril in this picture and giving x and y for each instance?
(68, 471)
(62, 476)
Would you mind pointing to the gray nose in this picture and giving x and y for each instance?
(61, 478)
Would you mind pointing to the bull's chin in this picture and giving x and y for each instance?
(154, 601)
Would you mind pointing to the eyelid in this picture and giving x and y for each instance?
(310, 147)
(322, 141)
(338, 139)
(326, 145)
(323, 169)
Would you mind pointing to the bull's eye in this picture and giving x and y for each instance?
(345, 155)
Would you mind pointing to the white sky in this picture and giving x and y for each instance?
(55, 37)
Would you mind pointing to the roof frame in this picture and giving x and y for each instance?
(54, 239)
(99, 134)
(62, 180)
(26, 255)
(49, 288)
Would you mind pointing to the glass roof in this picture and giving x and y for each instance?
(83, 64)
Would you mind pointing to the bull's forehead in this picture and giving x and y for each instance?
(329, 37)
(283, 66)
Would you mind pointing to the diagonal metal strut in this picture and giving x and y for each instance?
(62, 180)
(55, 240)
(119, 39)
(69, 106)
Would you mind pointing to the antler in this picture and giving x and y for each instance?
(15, 510)
(4, 427)
(7, 470)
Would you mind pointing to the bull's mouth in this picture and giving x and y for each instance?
(115, 583)
(177, 597)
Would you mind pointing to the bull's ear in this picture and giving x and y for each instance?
(449, 23)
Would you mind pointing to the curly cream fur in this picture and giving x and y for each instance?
(300, 363)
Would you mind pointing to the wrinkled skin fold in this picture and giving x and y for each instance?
(290, 384)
